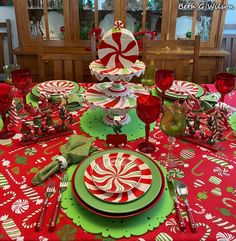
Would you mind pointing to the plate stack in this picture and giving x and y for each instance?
(118, 183)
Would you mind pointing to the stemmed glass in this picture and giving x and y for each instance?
(224, 83)
(148, 78)
(148, 110)
(173, 124)
(5, 104)
(22, 80)
(164, 80)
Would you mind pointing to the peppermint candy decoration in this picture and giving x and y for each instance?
(183, 88)
(116, 175)
(134, 193)
(56, 87)
(118, 25)
(20, 206)
(118, 49)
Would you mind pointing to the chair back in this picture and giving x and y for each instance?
(5, 35)
(182, 56)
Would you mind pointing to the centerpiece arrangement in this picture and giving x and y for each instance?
(118, 62)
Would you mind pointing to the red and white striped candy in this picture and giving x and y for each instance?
(118, 49)
(134, 193)
(56, 87)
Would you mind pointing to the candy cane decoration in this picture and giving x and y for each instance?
(16, 182)
(14, 117)
(13, 195)
(218, 161)
(28, 226)
(202, 209)
(31, 194)
(221, 223)
(40, 160)
(225, 201)
(208, 230)
(10, 227)
(16, 150)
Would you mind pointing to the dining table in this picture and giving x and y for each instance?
(209, 175)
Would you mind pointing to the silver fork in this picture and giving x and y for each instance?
(49, 192)
(63, 186)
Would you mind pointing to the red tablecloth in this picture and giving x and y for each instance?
(210, 177)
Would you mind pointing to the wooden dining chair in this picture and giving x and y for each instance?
(182, 56)
(5, 34)
(66, 63)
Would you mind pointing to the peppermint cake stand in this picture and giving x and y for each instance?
(118, 96)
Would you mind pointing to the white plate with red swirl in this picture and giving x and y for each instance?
(182, 89)
(117, 177)
(56, 87)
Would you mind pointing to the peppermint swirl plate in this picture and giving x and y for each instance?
(115, 173)
(138, 205)
(182, 89)
(131, 194)
(55, 87)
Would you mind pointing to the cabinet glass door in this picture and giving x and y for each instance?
(154, 16)
(196, 17)
(46, 20)
(86, 18)
(106, 14)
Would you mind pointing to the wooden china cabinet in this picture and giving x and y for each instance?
(63, 27)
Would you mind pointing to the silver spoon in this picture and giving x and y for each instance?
(182, 190)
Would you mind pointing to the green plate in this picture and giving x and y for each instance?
(35, 92)
(116, 208)
(185, 88)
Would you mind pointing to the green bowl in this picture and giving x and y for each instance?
(231, 70)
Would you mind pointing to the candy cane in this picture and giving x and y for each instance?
(9, 200)
(202, 209)
(14, 118)
(15, 150)
(208, 230)
(225, 201)
(31, 194)
(27, 226)
(218, 161)
(221, 223)
(40, 160)
(16, 182)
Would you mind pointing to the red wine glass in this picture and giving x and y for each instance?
(224, 83)
(22, 80)
(148, 110)
(164, 80)
(5, 104)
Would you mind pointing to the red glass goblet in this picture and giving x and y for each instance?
(224, 83)
(5, 104)
(148, 109)
(22, 80)
(164, 80)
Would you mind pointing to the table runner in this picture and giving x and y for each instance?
(209, 175)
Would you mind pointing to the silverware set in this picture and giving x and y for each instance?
(179, 189)
(49, 192)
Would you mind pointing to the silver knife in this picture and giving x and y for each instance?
(174, 196)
